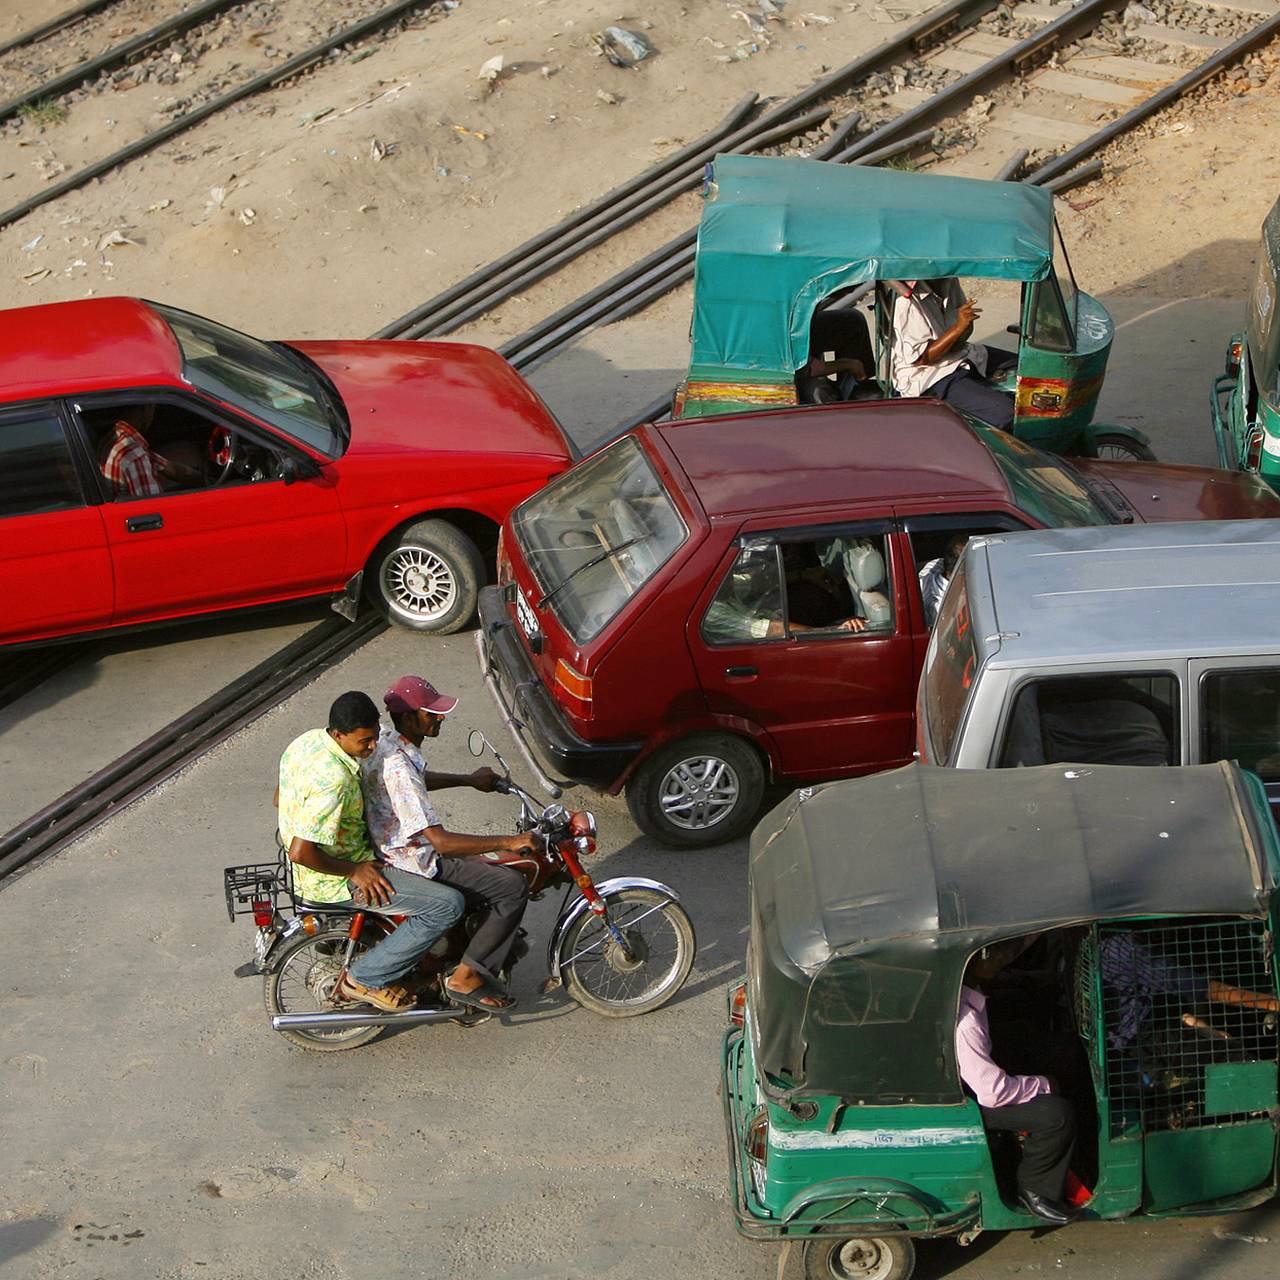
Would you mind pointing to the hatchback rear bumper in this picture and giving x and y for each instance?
(530, 713)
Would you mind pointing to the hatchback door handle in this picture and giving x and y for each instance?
(741, 673)
(141, 524)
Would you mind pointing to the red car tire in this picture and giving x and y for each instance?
(427, 577)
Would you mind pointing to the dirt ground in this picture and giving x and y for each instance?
(335, 203)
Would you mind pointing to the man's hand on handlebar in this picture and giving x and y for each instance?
(368, 882)
(522, 843)
(484, 778)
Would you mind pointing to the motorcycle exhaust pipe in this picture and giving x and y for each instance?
(335, 1021)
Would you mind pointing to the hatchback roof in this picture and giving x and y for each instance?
(86, 345)
(1122, 593)
(775, 459)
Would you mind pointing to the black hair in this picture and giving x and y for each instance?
(352, 711)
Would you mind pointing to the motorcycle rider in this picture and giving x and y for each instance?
(322, 825)
(410, 836)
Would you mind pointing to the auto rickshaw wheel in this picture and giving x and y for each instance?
(1115, 447)
(859, 1258)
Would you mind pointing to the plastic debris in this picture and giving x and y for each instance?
(1244, 1239)
(114, 237)
(611, 99)
(361, 54)
(478, 134)
(312, 116)
(622, 47)
(247, 215)
(32, 276)
(31, 244)
(491, 69)
(159, 204)
(1135, 12)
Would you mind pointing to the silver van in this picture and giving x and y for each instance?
(1140, 644)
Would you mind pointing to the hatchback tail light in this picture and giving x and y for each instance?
(575, 684)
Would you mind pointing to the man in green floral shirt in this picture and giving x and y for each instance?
(322, 825)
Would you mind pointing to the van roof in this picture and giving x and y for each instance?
(1123, 593)
(844, 454)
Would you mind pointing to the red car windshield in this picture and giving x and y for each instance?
(1050, 492)
(269, 382)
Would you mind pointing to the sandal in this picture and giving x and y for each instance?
(485, 998)
(388, 999)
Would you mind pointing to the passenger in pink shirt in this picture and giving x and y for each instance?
(1026, 1104)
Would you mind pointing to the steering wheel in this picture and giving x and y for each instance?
(223, 452)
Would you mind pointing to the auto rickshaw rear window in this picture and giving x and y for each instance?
(952, 663)
(596, 535)
(1042, 485)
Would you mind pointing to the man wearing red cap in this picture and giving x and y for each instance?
(409, 834)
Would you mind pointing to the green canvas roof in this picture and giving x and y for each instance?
(868, 898)
(778, 235)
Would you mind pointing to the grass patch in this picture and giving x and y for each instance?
(48, 111)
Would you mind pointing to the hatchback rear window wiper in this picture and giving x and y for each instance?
(588, 564)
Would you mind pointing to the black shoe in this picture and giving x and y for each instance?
(1050, 1210)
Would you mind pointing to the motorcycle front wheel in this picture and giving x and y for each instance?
(620, 983)
(303, 982)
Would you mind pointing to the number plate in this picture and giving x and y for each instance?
(526, 617)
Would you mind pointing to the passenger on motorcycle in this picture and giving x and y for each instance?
(411, 838)
(323, 828)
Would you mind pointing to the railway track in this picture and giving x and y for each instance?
(980, 66)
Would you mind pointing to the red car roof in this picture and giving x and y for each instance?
(847, 453)
(93, 344)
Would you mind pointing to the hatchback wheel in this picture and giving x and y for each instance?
(426, 577)
(698, 791)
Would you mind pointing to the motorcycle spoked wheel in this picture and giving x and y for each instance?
(600, 975)
(303, 982)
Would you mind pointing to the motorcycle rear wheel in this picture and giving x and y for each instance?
(303, 982)
(602, 978)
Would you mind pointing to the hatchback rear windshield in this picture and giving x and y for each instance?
(949, 671)
(1042, 485)
(596, 535)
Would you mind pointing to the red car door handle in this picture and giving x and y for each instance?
(740, 673)
(140, 524)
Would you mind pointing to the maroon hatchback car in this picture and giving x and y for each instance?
(706, 606)
(155, 465)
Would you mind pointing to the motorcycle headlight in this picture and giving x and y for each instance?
(583, 823)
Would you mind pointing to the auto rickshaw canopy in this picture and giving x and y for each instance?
(868, 897)
(1264, 326)
(778, 235)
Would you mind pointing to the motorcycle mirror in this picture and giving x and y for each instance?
(477, 742)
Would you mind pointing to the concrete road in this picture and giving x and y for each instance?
(155, 1127)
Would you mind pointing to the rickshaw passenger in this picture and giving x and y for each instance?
(932, 354)
(1026, 1104)
(843, 332)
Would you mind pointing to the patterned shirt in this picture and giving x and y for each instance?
(397, 805)
(130, 466)
(320, 801)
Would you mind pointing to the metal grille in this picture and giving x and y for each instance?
(1188, 1021)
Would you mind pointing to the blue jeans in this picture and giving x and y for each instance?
(432, 909)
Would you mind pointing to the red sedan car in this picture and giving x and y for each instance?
(155, 465)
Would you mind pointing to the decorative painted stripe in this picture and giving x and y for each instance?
(750, 392)
(1073, 396)
(873, 1139)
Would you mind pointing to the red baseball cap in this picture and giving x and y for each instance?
(413, 693)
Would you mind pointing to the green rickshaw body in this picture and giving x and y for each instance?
(1245, 402)
(778, 237)
(843, 1104)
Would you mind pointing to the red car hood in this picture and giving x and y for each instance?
(450, 396)
(1161, 491)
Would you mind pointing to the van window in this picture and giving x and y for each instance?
(835, 585)
(1094, 719)
(1240, 719)
(950, 669)
(594, 536)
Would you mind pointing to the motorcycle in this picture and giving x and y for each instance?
(621, 947)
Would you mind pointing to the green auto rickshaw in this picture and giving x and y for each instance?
(1246, 397)
(850, 1134)
(787, 248)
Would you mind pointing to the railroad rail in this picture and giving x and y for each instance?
(54, 24)
(626, 293)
